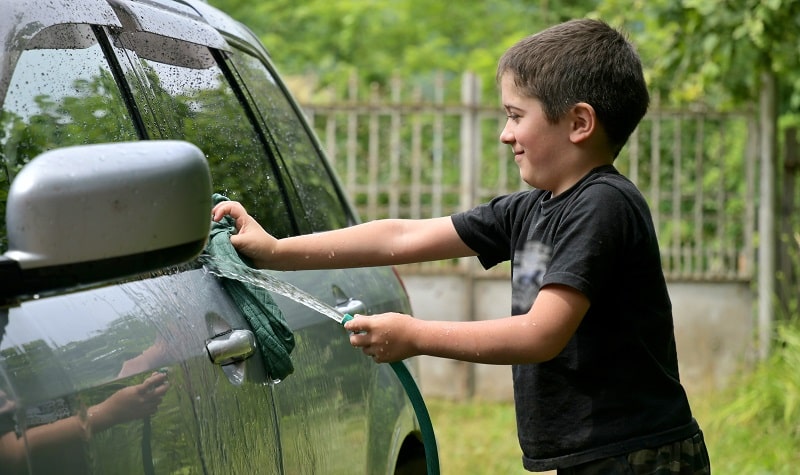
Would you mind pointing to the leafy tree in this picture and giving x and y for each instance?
(714, 51)
(381, 38)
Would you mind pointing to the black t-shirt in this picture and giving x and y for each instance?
(615, 386)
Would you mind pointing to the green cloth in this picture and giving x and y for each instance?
(273, 336)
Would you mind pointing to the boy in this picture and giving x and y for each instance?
(590, 338)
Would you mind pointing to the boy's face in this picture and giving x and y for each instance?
(538, 145)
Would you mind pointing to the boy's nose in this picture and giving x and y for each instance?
(506, 136)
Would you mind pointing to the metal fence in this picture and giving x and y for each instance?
(418, 151)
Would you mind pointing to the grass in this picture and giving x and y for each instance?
(475, 437)
(754, 426)
(751, 428)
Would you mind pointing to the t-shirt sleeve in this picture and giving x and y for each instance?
(487, 229)
(596, 234)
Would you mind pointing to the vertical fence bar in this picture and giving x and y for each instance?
(721, 221)
(416, 160)
(633, 156)
(766, 214)
(477, 151)
(676, 192)
(352, 136)
(503, 152)
(438, 147)
(372, 154)
(330, 138)
(750, 202)
(655, 166)
(470, 131)
(394, 151)
(697, 206)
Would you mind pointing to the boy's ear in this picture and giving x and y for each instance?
(583, 122)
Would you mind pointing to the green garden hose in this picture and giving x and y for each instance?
(424, 419)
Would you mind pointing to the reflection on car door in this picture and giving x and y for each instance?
(67, 356)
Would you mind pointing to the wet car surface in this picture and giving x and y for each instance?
(107, 315)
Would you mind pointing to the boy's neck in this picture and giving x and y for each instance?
(581, 165)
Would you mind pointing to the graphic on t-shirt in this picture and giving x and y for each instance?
(530, 265)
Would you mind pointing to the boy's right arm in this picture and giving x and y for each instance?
(375, 243)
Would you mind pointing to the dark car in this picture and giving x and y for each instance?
(122, 350)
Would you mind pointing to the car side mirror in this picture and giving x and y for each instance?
(86, 214)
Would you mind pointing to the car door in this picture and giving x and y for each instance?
(115, 379)
(232, 105)
(200, 105)
(355, 395)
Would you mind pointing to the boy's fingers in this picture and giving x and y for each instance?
(358, 337)
(358, 328)
(231, 208)
(219, 211)
(357, 324)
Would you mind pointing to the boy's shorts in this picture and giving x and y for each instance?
(684, 457)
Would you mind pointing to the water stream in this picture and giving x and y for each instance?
(231, 270)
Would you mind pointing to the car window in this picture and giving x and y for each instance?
(323, 207)
(58, 96)
(194, 101)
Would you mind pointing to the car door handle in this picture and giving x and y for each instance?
(346, 305)
(350, 306)
(231, 347)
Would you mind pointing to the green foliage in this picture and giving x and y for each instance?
(710, 51)
(714, 51)
(380, 38)
(693, 50)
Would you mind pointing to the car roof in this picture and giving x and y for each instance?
(192, 21)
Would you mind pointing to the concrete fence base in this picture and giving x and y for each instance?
(714, 332)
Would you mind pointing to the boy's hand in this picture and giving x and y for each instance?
(250, 239)
(386, 338)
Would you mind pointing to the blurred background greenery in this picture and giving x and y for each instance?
(711, 51)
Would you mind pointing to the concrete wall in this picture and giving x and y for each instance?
(713, 331)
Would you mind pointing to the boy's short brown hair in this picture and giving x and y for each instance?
(582, 61)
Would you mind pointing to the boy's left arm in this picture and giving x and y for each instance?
(536, 336)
